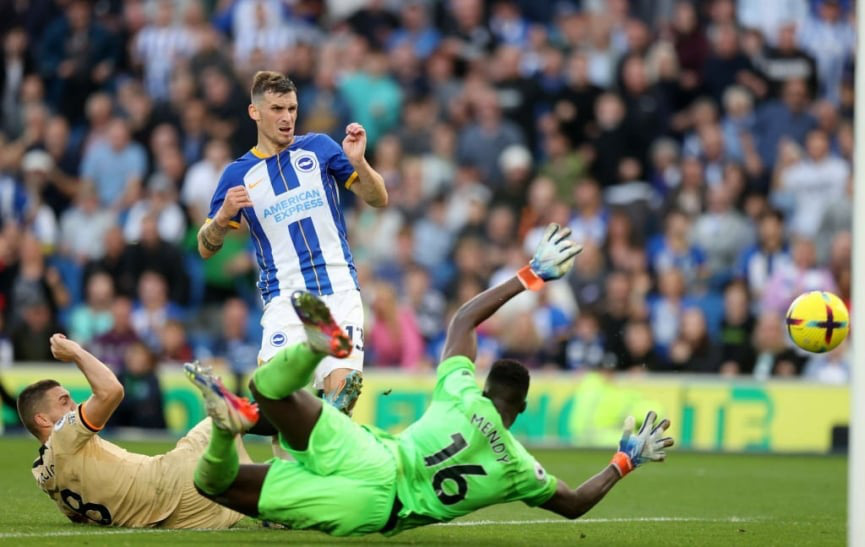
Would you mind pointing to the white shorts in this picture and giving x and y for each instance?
(283, 328)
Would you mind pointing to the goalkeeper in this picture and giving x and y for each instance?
(457, 458)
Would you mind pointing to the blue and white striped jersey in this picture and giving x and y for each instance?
(296, 222)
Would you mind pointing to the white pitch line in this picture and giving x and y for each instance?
(119, 531)
(596, 521)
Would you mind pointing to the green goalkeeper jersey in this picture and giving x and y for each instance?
(459, 457)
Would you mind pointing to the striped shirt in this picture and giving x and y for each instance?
(296, 222)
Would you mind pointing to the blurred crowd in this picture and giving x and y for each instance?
(700, 151)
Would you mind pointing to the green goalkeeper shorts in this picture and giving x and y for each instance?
(343, 484)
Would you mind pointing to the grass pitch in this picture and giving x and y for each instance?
(692, 499)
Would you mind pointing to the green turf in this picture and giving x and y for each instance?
(693, 499)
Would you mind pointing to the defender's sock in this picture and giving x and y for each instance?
(288, 371)
(218, 466)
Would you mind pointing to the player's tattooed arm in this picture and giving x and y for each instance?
(211, 236)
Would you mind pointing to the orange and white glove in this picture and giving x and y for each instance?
(646, 446)
(553, 258)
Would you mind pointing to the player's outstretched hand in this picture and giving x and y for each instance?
(236, 198)
(354, 143)
(64, 349)
(555, 254)
(647, 445)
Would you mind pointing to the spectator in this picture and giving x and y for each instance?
(415, 30)
(31, 334)
(394, 340)
(574, 104)
(830, 39)
(234, 345)
(267, 36)
(613, 140)
(564, 166)
(63, 183)
(693, 350)
(758, 263)
(142, 404)
(152, 253)
(39, 218)
(111, 346)
(738, 123)
(737, 353)
(639, 353)
(116, 167)
(482, 141)
(675, 250)
(83, 228)
(373, 97)
(722, 232)
(426, 303)
(161, 205)
(666, 311)
(76, 57)
(174, 343)
(802, 276)
(584, 349)
(784, 119)
(153, 309)
(813, 183)
(18, 62)
(829, 368)
(727, 65)
(93, 317)
(36, 284)
(587, 277)
(785, 61)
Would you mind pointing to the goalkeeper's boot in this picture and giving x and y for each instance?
(345, 396)
(322, 332)
(228, 411)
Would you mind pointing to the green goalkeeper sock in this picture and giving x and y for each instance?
(218, 466)
(288, 371)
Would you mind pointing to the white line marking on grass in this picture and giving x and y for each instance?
(94, 531)
(597, 521)
(91, 531)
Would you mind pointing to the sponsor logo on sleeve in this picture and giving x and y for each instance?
(540, 474)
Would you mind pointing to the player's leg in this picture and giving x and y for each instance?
(219, 474)
(278, 384)
(341, 380)
(342, 388)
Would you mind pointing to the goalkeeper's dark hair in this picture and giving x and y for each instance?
(508, 380)
(30, 403)
(274, 82)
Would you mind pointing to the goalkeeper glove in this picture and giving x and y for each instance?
(646, 446)
(553, 258)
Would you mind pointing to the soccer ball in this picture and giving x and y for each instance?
(818, 321)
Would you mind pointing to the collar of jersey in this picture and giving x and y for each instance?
(258, 154)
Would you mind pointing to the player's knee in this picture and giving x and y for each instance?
(201, 491)
(253, 389)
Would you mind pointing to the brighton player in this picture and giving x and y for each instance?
(94, 481)
(459, 457)
(286, 188)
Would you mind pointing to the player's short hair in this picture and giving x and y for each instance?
(268, 80)
(30, 402)
(509, 380)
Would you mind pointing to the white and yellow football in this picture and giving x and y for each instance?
(818, 321)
